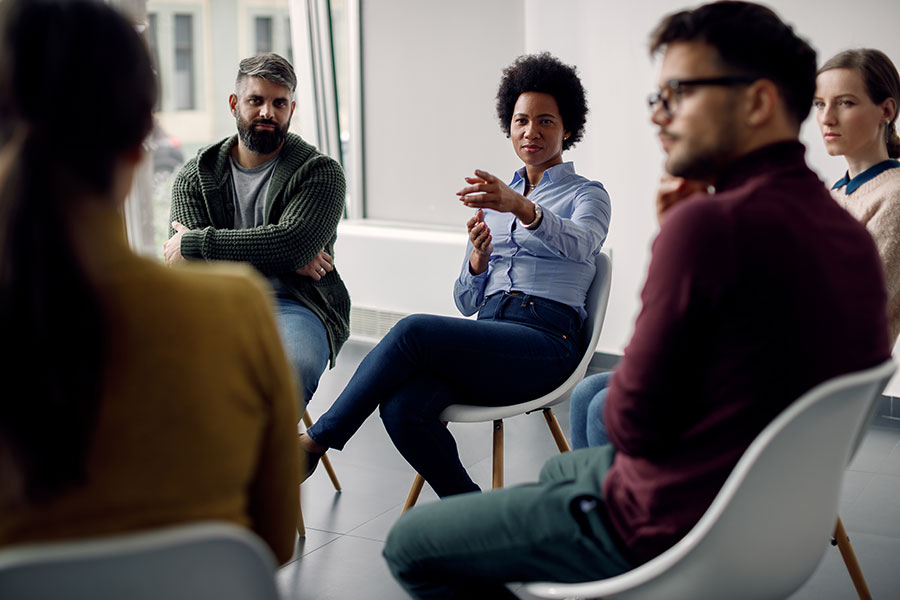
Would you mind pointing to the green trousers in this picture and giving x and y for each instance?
(469, 546)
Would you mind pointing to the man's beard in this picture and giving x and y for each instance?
(705, 163)
(261, 142)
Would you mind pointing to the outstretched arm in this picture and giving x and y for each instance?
(577, 237)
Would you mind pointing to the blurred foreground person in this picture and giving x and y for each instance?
(135, 396)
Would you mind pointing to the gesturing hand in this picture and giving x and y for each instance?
(316, 269)
(480, 236)
(172, 246)
(486, 191)
(674, 190)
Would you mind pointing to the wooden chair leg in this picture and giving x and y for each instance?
(301, 527)
(856, 575)
(414, 492)
(416, 489)
(326, 462)
(498, 455)
(558, 436)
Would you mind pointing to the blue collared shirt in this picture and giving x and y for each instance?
(554, 261)
(867, 175)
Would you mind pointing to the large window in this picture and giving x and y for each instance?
(196, 46)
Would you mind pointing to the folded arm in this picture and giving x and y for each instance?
(314, 199)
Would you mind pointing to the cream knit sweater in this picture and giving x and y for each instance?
(876, 204)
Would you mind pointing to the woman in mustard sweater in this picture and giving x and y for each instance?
(134, 395)
(857, 99)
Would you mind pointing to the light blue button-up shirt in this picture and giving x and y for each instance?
(556, 260)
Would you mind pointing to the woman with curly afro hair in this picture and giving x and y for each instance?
(527, 269)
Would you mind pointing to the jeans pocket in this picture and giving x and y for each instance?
(557, 319)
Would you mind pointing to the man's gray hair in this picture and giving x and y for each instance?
(268, 66)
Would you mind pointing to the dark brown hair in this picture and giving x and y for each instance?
(751, 40)
(76, 93)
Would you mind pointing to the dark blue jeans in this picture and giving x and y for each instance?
(586, 411)
(520, 348)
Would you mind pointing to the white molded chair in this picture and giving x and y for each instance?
(766, 530)
(595, 306)
(183, 562)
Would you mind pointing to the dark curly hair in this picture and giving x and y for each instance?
(547, 74)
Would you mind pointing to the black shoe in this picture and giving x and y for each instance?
(312, 461)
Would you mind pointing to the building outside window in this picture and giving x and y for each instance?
(184, 62)
(263, 34)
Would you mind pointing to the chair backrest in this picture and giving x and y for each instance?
(595, 305)
(766, 530)
(185, 562)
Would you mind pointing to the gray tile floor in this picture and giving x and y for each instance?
(340, 558)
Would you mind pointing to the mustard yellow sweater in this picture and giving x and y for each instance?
(198, 418)
(876, 204)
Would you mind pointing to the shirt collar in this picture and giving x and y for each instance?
(553, 174)
(867, 175)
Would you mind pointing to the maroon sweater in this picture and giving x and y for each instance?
(754, 295)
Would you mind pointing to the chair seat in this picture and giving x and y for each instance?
(595, 306)
(470, 413)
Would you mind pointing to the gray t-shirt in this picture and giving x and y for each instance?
(250, 187)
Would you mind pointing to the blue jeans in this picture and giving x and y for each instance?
(305, 343)
(467, 547)
(521, 347)
(586, 411)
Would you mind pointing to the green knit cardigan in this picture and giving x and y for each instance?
(305, 202)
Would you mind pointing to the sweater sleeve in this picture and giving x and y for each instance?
(314, 204)
(884, 226)
(689, 266)
(188, 207)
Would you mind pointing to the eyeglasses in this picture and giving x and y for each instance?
(672, 92)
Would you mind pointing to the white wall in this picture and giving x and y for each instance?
(430, 74)
(431, 125)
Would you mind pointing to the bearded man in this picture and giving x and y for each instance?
(268, 198)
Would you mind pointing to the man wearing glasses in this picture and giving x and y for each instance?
(759, 288)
